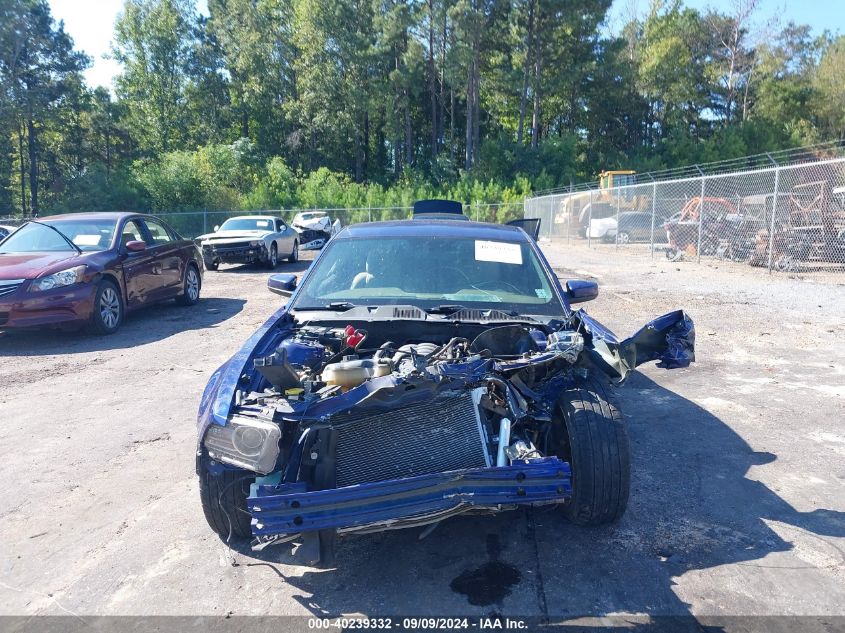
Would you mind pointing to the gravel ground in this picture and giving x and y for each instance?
(738, 492)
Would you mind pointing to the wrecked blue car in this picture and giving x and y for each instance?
(421, 369)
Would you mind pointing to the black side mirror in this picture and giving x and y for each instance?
(579, 290)
(282, 284)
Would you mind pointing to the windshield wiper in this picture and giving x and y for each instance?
(337, 306)
(62, 235)
(518, 315)
(446, 308)
(494, 314)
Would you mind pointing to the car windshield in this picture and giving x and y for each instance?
(248, 224)
(310, 216)
(87, 234)
(429, 272)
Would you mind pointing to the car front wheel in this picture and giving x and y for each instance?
(108, 308)
(294, 254)
(223, 498)
(273, 257)
(588, 433)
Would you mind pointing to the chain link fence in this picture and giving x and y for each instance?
(782, 219)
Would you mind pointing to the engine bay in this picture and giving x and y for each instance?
(415, 416)
(326, 376)
(432, 378)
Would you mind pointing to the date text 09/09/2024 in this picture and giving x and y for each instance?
(414, 624)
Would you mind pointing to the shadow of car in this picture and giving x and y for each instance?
(156, 323)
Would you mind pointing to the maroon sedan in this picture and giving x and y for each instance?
(91, 268)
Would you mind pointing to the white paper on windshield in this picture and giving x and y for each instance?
(502, 252)
(262, 223)
(87, 240)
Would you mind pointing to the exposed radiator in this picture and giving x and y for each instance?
(429, 437)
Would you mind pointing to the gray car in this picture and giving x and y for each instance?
(250, 239)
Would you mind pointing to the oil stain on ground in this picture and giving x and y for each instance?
(491, 582)
(488, 584)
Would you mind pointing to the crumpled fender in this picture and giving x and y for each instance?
(668, 339)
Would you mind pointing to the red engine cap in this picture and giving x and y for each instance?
(355, 339)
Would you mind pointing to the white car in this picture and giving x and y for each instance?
(317, 220)
(250, 239)
(602, 229)
(315, 228)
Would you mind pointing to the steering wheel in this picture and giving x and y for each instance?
(361, 279)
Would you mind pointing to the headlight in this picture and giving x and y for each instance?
(246, 443)
(256, 243)
(59, 279)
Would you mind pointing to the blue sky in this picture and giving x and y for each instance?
(820, 14)
(91, 22)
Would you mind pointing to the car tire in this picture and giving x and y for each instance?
(107, 315)
(273, 256)
(587, 432)
(191, 287)
(294, 254)
(223, 498)
(623, 238)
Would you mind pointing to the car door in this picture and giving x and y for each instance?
(138, 267)
(167, 260)
(284, 238)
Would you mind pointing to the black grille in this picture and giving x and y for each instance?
(240, 247)
(430, 437)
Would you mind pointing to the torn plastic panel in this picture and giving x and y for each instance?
(668, 339)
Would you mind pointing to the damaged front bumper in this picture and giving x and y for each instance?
(288, 508)
(235, 254)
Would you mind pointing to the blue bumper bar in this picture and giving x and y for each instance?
(288, 508)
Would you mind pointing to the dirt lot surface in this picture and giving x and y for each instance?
(738, 492)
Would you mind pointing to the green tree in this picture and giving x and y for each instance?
(208, 107)
(335, 40)
(257, 51)
(830, 90)
(153, 41)
(38, 67)
(671, 73)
